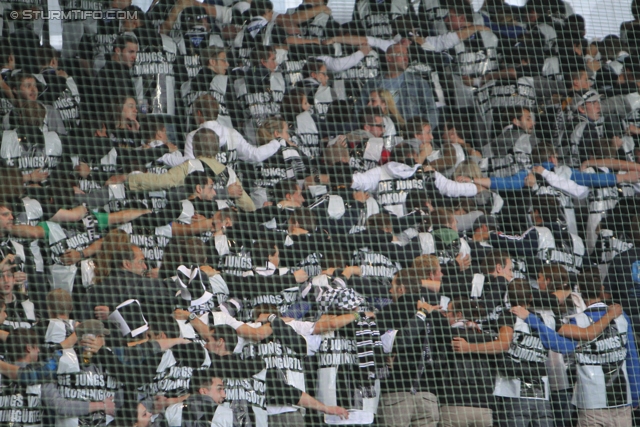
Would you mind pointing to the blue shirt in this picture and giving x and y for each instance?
(411, 93)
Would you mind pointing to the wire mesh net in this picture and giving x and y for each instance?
(212, 214)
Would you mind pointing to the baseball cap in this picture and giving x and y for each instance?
(490, 221)
(93, 327)
(589, 95)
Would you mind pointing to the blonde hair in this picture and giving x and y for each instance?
(468, 168)
(427, 263)
(206, 143)
(266, 132)
(207, 106)
(335, 154)
(387, 97)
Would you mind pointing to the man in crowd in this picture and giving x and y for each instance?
(412, 94)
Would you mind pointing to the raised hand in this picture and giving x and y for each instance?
(521, 312)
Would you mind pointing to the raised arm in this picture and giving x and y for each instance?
(344, 63)
(513, 182)
(151, 181)
(66, 408)
(482, 181)
(250, 154)
(254, 334)
(36, 373)
(301, 16)
(352, 40)
(332, 323)
(438, 43)
(127, 215)
(451, 188)
(614, 164)
(448, 40)
(73, 256)
(551, 340)
(167, 343)
(176, 10)
(8, 370)
(594, 180)
(244, 202)
(501, 345)
(195, 228)
(198, 325)
(566, 185)
(291, 40)
(577, 333)
(28, 231)
(366, 181)
(69, 215)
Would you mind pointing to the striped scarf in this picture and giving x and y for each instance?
(370, 355)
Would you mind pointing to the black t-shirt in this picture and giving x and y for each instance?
(465, 379)
(284, 344)
(524, 359)
(306, 252)
(254, 290)
(113, 81)
(101, 43)
(243, 389)
(20, 313)
(174, 379)
(278, 36)
(311, 29)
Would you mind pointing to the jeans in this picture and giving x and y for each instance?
(563, 410)
(526, 412)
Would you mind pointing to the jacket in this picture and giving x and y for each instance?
(414, 98)
(412, 368)
(175, 177)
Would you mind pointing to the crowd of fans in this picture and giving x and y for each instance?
(216, 215)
